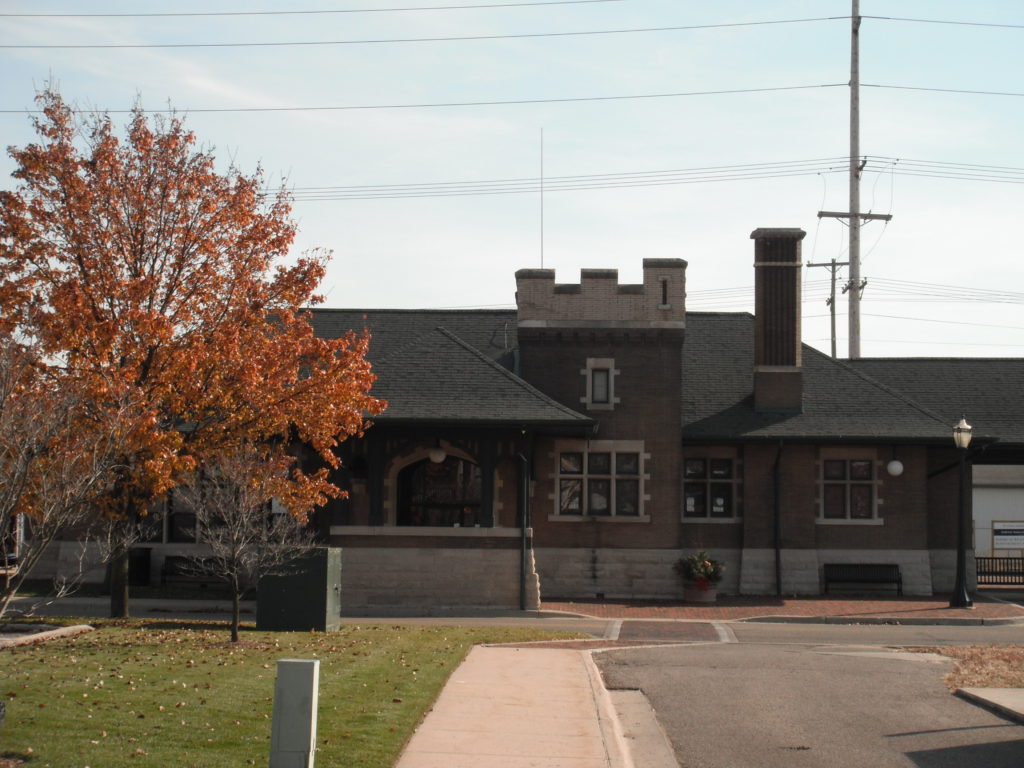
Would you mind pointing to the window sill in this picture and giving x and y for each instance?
(874, 521)
(598, 519)
(713, 520)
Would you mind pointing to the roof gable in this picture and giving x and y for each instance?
(839, 402)
(437, 377)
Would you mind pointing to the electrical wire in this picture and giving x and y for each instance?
(556, 183)
(947, 322)
(564, 100)
(939, 21)
(520, 36)
(929, 292)
(937, 90)
(917, 342)
(295, 13)
(746, 172)
(883, 289)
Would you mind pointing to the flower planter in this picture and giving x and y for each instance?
(695, 593)
(700, 574)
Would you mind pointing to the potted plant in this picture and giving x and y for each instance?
(701, 575)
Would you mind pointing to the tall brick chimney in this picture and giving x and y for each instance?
(778, 379)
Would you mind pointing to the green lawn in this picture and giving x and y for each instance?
(177, 694)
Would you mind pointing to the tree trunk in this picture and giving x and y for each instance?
(5, 597)
(236, 611)
(119, 586)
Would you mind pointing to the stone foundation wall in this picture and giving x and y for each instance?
(801, 569)
(620, 573)
(383, 581)
(943, 570)
(648, 574)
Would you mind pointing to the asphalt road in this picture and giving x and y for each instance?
(805, 695)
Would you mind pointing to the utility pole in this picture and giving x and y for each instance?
(855, 285)
(832, 266)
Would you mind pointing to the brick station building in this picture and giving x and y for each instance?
(578, 445)
(575, 447)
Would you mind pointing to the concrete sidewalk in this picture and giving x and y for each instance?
(534, 707)
(520, 708)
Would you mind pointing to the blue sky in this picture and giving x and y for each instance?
(949, 240)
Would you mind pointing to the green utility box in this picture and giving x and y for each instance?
(307, 598)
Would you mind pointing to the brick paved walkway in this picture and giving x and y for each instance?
(836, 608)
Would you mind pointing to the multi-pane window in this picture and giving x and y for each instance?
(599, 483)
(710, 488)
(444, 494)
(848, 489)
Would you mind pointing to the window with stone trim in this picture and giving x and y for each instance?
(711, 488)
(600, 479)
(848, 486)
(599, 382)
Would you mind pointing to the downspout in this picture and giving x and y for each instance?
(777, 521)
(524, 521)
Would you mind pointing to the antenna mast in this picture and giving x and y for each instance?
(542, 198)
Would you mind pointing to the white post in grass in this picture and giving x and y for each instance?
(293, 733)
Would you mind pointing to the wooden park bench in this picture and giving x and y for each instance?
(863, 573)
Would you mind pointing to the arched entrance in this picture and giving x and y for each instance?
(444, 494)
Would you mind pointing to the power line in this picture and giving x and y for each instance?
(905, 290)
(940, 21)
(520, 36)
(707, 174)
(948, 322)
(593, 181)
(942, 90)
(458, 103)
(507, 102)
(915, 291)
(917, 342)
(938, 169)
(296, 13)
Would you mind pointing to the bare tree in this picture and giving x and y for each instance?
(232, 502)
(53, 464)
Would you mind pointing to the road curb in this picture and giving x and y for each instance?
(612, 734)
(988, 698)
(50, 634)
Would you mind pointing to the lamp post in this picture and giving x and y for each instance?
(961, 598)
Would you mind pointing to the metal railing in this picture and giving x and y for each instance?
(1000, 570)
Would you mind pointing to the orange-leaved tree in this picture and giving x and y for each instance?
(136, 265)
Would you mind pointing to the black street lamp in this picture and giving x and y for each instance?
(961, 598)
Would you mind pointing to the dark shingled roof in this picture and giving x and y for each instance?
(989, 392)
(839, 403)
(492, 332)
(452, 366)
(430, 375)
